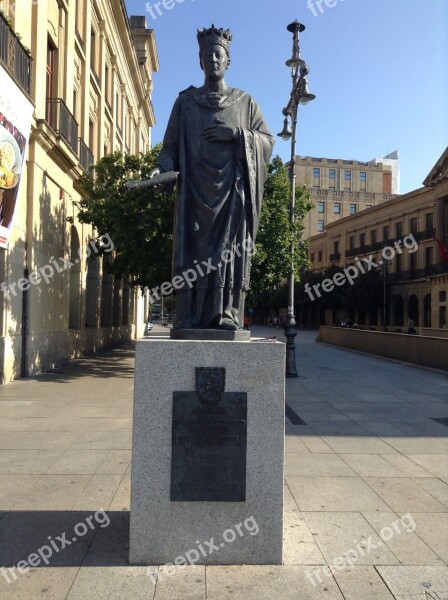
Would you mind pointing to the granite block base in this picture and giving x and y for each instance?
(207, 532)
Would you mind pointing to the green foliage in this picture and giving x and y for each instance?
(139, 223)
(276, 234)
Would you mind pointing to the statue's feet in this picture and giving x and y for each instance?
(228, 325)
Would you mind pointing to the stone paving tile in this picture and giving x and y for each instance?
(362, 583)
(437, 488)
(371, 465)
(295, 445)
(81, 462)
(403, 495)
(54, 492)
(399, 533)
(121, 440)
(122, 498)
(37, 440)
(187, 582)
(40, 584)
(13, 487)
(346, 494)
(358, 445)
(267, 583)
(407, 466)
(436, 464)
(112, 583)
(316, 445)
(27, 462)
(348, 534)
(115, 462)
(299, 545)
(409, 581)
(432, 528)
(318, 465)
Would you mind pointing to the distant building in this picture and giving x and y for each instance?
(345, 187)
(83, 71)
(416, 284)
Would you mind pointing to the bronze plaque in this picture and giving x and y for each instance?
(209, 441)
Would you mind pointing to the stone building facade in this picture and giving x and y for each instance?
(415, 283)
(87, 70)
(340, 188)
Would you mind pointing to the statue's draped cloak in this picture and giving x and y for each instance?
(220, 190)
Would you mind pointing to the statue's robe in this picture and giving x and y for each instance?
(220, 190)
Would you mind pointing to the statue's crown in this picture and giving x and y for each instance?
(212, 36)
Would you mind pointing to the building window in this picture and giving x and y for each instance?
(353, 209)
(320, 226)
(332, 178)
(332, 174)
(51, 70)
(321, 207)
(373, 236)
(429, 256)
(320, 256)
(352, 242)
(362, 240)
(336, 247)
(93, 49)
(412, 262)
(398, 230)
(348, 180)
(386, 233)
(337, 208)
(369, 205)
(312, 257)
(414, 225)
(316, 173)
(442, 296)
(316, 178)
(362, 181)
(429, 218)
(398, 263)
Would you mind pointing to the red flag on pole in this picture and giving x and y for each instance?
(443, 250)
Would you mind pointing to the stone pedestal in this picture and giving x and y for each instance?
(207, 532)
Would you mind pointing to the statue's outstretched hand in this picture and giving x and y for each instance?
(154, 173)
(221, 132)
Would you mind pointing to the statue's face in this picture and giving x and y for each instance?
(214, 62)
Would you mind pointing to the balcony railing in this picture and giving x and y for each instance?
(14, 57)
(335, 256)
(86, 158)
(62, 122)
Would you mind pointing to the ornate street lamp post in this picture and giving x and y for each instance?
(299, 95)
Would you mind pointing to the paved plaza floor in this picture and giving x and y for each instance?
(366, 486)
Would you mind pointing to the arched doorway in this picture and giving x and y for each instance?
(74, 319)
(427, 311)
(398, 311)
(413, 309)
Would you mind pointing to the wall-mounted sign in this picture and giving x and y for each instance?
(16, 112)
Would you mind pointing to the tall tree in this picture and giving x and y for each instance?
(272, 259)
(140, 223)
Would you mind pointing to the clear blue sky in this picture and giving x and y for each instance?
(379, 69)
